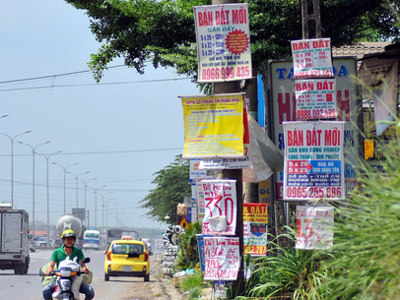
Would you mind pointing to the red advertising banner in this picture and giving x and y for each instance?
(255, 220)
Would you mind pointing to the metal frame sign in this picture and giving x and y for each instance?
(223, 42)
(314, 164)
(283, 108)
(312, 58)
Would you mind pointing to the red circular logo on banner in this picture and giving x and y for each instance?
(237, 42)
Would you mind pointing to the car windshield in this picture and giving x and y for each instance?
(118, 248)
(42, 239)
(92, 235)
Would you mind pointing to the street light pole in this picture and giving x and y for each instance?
(33, 179)
(47, 156)
(95, 203)
(77, 177)
(85, 182)
(12, 161)
(102, 208)
(108, 211)
(65, 171)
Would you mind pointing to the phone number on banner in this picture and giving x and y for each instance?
(225, 73)
(304, 114)
(255, 249)
(298, 192)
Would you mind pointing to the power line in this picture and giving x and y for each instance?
(101, 152)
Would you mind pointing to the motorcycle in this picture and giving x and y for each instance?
(68, 279)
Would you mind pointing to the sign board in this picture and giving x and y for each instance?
(159, 246)
(255, 220)
(283, 109)
(223, 42)
(316, 99)
(225, 163)
(312, 58)
(195, 171)
(314, 164)
(314, 227)
(221, 258)
(220, 207)
(214, 126)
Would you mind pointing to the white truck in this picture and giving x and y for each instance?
(14, 239)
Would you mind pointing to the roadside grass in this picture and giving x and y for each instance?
(193, 285)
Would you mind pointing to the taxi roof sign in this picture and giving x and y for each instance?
(126, 237)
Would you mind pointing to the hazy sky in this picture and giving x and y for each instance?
(122, 131)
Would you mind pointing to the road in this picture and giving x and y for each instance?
(28, 287)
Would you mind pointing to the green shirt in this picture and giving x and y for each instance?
(60, 255)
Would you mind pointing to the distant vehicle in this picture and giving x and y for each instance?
(14, 240)
(91, 239)
(128, 258)
(42, 241)
(32, 246)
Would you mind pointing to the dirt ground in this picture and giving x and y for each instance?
(125, 288)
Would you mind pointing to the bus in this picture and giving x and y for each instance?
(91, 239)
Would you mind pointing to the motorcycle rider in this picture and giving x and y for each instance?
(60, 254)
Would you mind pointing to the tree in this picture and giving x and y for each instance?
(172, 186)
(163, 32)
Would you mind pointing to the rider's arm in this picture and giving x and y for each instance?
(83, 265)
(51, 267)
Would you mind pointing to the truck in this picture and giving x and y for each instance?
(91, 239)
(69, 221)
(14, 239)
(117, 233)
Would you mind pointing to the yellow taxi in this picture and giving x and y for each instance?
(127, 257)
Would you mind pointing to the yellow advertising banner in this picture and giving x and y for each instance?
(213, 126)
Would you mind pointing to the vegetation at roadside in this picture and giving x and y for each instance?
(188, 254)
(172, 185)
(362, 264)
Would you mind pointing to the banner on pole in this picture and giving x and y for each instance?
(314, 164)
(223, 42)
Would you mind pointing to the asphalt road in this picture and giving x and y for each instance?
(28, 287)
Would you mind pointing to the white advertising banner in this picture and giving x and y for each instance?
(314, 164)
(225, 163)
(312, 58)
(223, 42)
(220, 207)
(316, 99)
(314, 227)
(221, 257)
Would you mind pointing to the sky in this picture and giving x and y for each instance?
(121, 131)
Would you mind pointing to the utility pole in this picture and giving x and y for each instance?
(308, 19)
(236, 174)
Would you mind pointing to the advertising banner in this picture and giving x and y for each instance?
(200, 246)
(225, 163)
(283, 107)
(312, 58)
(214, 126)
(255, 220)
(314, 164)
(221, 257)
(316, 99)
(220, 207)
(314, 227)
(223, 42)
(159, 246)
(201, 206)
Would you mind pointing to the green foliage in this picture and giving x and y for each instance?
(366, 247)
(188, 255)
(172, 185)
(163, 31)
(286, 273)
